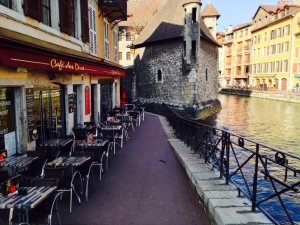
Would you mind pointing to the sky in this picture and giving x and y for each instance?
(234, 12)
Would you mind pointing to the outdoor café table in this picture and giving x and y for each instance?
(16, 162)
(71, 161)
(112, 132)
(34, 196)
(56, 142)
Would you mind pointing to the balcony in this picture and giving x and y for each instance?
(114, 9)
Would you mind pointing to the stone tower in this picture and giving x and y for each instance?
(210, 16)
(191, 37)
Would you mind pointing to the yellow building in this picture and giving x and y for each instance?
(272, 41)
(237, 55)
(58, 67)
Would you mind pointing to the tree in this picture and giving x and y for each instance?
(141, 13)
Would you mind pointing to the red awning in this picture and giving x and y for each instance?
(37, 59)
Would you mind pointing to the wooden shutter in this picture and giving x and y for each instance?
(84, 21)
(295, 67)
(65, 16)
(33, 8)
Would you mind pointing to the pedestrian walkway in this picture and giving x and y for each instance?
(145, 185)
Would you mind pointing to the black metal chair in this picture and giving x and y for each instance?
(52, 151)
(86, 170)
(135, 117)
(35, 169)
(68, 149)
(66, 179)
(99, 153)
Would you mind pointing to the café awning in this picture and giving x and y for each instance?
(34, 57)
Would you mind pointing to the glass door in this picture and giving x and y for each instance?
(49, 114)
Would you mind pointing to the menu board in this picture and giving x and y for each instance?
(10, 143)
(30, 114)
(72, 102)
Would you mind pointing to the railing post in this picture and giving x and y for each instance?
(227, 157)
(255, 179)
(222, 154)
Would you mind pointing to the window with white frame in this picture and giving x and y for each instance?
(265, 51)
(254, 68)
(106, 40)
(286, 46)
(276, 67)
(278, 48)
(278, 32)
(269, 67)
(266, 36)
(128, 56)
(253, 54)
(285, 66)
(264, 67)
(257, 68)
(115, 45)
(6, 3)
(286, 30)
(92, 31)
(258, 52)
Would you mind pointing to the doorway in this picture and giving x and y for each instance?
(49, 112)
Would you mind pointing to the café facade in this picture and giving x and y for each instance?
(45, 92)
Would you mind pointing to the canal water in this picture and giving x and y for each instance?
(269, 122)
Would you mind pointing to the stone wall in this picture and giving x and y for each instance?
(181, 86)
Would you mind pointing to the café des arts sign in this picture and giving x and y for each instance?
(24, 59)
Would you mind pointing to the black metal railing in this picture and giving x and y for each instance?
(266, 176)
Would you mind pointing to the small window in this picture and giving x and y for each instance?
(159, 76)
(120, 56)
(128, 56)
(194, 14)
(6, 3)
(193, 48)
(46, 13)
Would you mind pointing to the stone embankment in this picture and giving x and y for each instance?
(275, 95)
(220, 201)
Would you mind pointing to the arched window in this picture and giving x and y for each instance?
(159, 76)
(206, 77)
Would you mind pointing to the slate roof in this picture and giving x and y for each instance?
(168, 24)
(210, 10)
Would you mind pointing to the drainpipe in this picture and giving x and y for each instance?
(291, 54)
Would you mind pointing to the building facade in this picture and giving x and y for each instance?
(273, 48)
(176, 60)
(58, 67)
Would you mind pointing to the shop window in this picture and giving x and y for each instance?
(92, 30)
(6, 3)
(7, 120)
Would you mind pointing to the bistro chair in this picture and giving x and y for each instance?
(35, 169)
(99, 153)
(65, 183)
(68, 148)
(135, 117)
(86, 170)
(51, 151)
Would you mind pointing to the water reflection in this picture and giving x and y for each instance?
(270, 122)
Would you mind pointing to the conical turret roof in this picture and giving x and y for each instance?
(210, 10)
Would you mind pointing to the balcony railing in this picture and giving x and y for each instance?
(114, 9)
